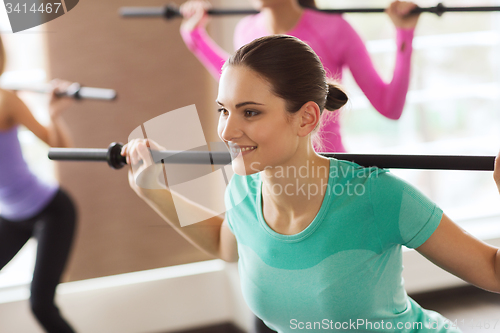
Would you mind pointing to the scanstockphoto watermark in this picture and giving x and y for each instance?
(294, 184)
(295, 188)
(366, 325)
(26, 14)
(309, 170)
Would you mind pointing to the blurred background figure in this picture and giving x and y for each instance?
(329, 35)
(31, 207)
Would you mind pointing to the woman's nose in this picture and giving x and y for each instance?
(229, 129)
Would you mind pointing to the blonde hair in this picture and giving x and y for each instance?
(2, 57)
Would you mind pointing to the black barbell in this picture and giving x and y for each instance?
(170, 12)
(431, 162)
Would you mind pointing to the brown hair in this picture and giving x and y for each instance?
(294, 71)
(2, 57)
(308, 3)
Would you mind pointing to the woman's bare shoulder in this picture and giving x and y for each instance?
(5, 118)
(8, 102)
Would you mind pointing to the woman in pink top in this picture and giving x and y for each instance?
(329, 35)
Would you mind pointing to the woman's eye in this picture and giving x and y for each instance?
(249, 113)
(246, 113)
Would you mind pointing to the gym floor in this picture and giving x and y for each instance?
(472, 309)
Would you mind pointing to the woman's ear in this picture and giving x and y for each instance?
(310, 116)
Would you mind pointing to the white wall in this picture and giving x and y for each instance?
(166, 299)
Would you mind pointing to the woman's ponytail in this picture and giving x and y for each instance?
(307, 3)
(336, 97)
(2, 57)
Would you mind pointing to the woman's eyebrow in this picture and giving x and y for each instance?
(247, 103)
(239, 105)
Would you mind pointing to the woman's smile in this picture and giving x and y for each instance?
(240, 150)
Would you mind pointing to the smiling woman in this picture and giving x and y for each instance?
(295, 75)
(306, 250)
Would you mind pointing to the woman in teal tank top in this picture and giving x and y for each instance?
(318, 241)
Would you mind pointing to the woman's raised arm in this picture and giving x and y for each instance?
(56, 133)
(387, 98)
(193, 32)
(458, 252)
(212, 235)
(453, 249)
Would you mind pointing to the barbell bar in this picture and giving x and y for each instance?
(75, 91)
(171, 12)
(112, 156)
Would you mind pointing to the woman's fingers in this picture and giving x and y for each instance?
(144, 173)
(129, 150)
(154, 145)
(139, 150)
(57, 104)
(404, 8)
(134, 153)
(59, 85)
(400, 14)
(123, 152)
(144, 154)
(194, 14)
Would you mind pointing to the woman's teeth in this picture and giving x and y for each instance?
(237, 150)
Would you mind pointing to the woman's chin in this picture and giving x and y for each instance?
(242, 170)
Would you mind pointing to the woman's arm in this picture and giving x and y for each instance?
(56, 133)
(453, 249)
(387, 98)
(212, 235)
(193, 32)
